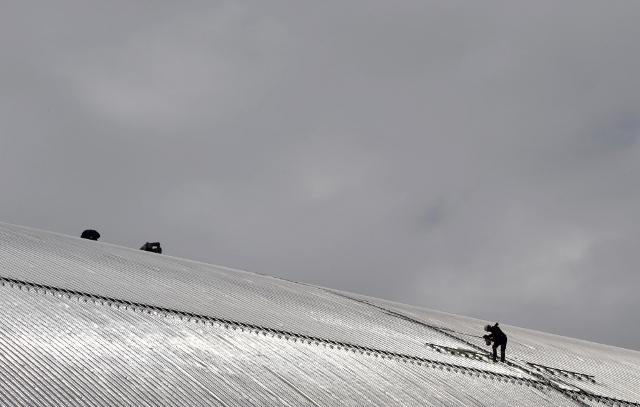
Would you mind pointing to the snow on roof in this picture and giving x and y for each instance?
(87, 323)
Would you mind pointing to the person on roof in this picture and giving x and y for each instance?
(90, 234)
(152, 247)
(497, 338)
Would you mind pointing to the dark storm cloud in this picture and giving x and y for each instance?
(479, 158)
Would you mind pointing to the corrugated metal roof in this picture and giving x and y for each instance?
(88, 323)
(605, 370)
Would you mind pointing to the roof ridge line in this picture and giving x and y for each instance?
(281, 334)
(540, 382)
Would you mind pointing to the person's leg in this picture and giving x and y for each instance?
(495, 352)
(502, 350)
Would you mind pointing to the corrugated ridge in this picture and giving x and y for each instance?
(563, 372)
(282, 334)
(230, 324)
(229, 363)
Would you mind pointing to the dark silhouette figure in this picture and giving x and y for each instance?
(498, 338)
(90, 234)
(152, 247)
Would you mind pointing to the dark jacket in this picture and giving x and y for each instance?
(496, 335)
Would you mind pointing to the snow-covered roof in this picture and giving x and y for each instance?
(92, 324)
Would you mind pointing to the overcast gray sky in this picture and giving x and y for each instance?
(476, 157)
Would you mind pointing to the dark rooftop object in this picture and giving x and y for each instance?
(152, 247)
(90, 234)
